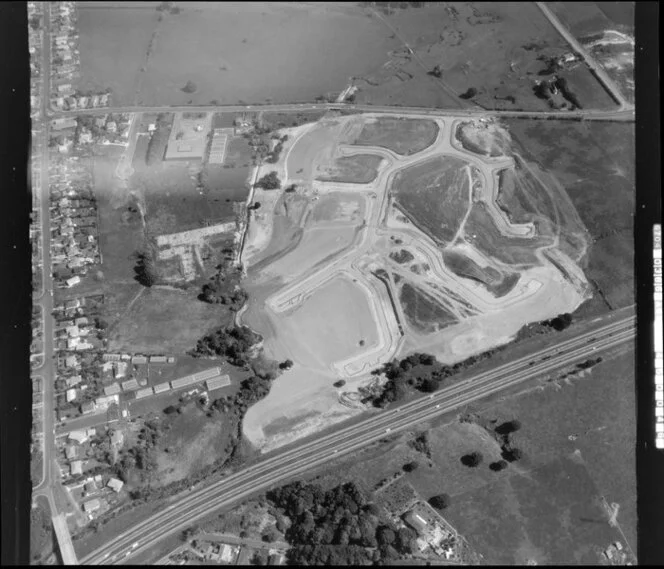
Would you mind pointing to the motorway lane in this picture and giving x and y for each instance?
(243, 490)
(266, 465)
(626, 114)
(202, 499)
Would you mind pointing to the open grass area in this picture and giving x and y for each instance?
(494, 49)
(358, 169)
(276, 120)
(595, 164)
(545, 507)
(315, 52)
(401, 135)
(166, 321)
(339, 207)
(42, 534)
(435, 195)
(423, 313)
(587, 18)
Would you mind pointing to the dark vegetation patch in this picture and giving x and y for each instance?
(338, 526)
(401, 256)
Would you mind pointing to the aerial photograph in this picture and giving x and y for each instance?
(333, 283)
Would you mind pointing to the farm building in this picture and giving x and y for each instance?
(218, 382)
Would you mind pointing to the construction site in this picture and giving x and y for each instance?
(431, 247)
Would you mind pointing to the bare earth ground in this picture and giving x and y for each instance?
(295, 252)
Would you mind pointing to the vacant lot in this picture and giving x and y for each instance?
(595, 164)
(359, 169)
(482, 232)
(496, 283)
(338, 207)
(42, 535)
(435, 195)
(156, 323)
(315, 52)
(403, 136)
(336, 322)
(424, 314)
(480, 140)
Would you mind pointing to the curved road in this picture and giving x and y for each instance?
(282, 466)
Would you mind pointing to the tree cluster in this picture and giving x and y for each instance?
(421, 444)
(440, 502)
(273, 157)
(269, 182)
(420, 372)
(337, 526)
(140, 456)
(224, 288)
(233, 343)
(190, 87)
(146, 269)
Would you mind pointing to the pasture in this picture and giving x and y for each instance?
(595, 163)
(435, 194)
(401, 135)
(316, 52)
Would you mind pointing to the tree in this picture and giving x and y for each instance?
(339, 383)
(286, 364)
(190, 87)
(145, 269)
(512, 454)
(472, 459)
(410, 466)
(385, 536)
(291, 188)
(469, 94)
(508, 427)
(269, 182)
(437, 71)
(440, 502)
(498, 465)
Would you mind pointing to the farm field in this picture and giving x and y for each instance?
(493, 49)
(401, 135)
(316, 52)
(358, 169)
(436, 193)
(545, 507)
(595, 165)
(589, 18)
(154, 324)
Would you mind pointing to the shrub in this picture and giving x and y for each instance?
(472, 459)
(440, 502)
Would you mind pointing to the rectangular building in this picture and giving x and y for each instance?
(162, 387)
(112, 389)
(129, 385)
(144, 392)
(218, 382)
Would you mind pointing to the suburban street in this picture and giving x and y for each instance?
(48, 370)
(618, 115)
(281, 466)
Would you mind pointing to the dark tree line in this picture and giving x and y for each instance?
(337, 526)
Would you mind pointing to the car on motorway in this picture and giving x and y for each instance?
(438, 406)
(388, 430)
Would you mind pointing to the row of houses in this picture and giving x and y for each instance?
(74, 229)
(35, 31)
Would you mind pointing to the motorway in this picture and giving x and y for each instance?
(275, 469)
(619, 115)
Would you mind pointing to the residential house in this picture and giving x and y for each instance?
(71, 452)
(76, 467)
(88, 407)
(91, 505)
(115, 484)
(71, 395)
